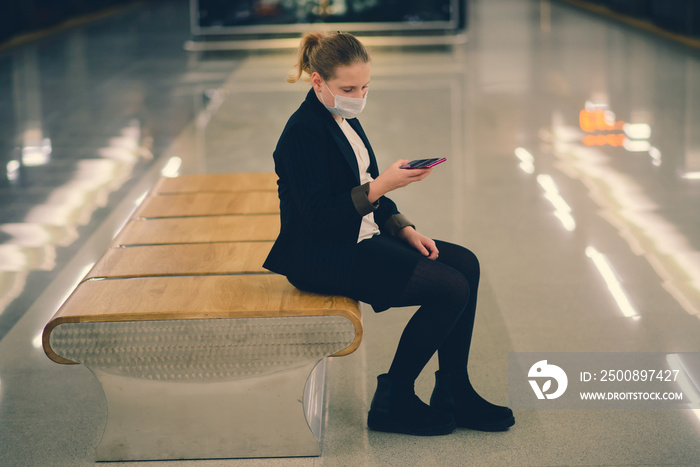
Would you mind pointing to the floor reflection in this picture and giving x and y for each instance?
(87, 116)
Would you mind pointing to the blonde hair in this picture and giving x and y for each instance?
(324, 52)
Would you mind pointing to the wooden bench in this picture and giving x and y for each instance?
(200, 352)
(213, 183)
(200, 229)
(182, 259)
(210, 204)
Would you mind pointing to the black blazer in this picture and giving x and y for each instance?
(321, 200)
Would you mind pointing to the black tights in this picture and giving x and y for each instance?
(446, 290)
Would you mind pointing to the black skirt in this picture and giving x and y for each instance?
(381, 270)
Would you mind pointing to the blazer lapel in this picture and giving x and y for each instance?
(345, 149)
(373, 168)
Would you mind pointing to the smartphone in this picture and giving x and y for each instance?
(424, 163)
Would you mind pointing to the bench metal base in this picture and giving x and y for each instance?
(255, 417)
(204, 389)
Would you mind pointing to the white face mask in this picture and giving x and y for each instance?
(346, 107)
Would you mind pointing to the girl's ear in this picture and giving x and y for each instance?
(316, 81)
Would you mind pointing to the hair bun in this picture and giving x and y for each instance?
(309, 42)
(324, 52)
(312, 39)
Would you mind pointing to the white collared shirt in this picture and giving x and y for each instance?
(369, 228)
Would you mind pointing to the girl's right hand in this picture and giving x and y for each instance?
(395, 177)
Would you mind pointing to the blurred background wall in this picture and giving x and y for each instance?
(679, 16)
(19, 17)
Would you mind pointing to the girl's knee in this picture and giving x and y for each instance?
(460, 258)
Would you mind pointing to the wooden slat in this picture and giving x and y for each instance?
(209, 204)
(182, 259)
(199, 183)
(197, 297)
(200, 230)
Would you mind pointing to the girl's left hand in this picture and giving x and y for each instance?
(426, 246)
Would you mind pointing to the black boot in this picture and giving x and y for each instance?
(395, 408)
(454, 393)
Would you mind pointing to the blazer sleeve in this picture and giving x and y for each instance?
(389, 219)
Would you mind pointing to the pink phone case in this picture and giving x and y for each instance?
(435, 162)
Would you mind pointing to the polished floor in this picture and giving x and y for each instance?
(543, 181)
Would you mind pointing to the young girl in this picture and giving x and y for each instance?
(341, 235)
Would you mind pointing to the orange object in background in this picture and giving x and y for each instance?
(598, 120)
(612, 139)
